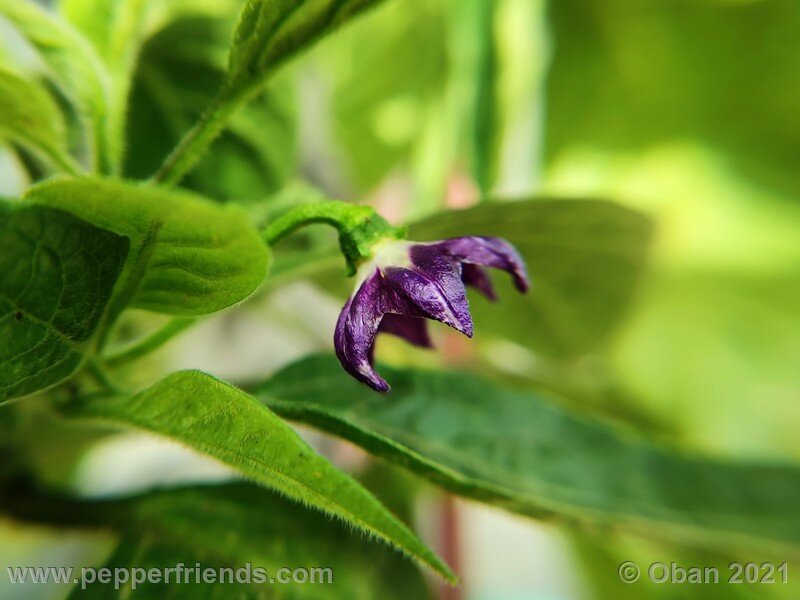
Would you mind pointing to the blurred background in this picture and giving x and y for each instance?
(686, 110)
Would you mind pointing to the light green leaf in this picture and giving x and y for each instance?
(236, 524)
(520, 451)
(57, 277)
(30, 116)
(584, 258)
(71, 63)
(272, 31)
(189, 256)
(227, 424)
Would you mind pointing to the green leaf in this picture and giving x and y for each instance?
(584, 258)
(117, 29)
(179, 72)
(189, 256)
(57, 278)
(272, 31)
(71, 63)
(520, 451)
(269, 32)
(225, 423)
(30, 116)
(232, 525)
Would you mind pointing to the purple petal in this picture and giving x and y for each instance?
(412, 329)
(478, 278)
(356, 329)
(433, 287)
(487, 251)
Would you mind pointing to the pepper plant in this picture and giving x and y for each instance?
(121, 218)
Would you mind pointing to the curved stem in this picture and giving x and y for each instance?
(340, 215)
(359, 227)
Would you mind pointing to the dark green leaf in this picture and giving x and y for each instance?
(57, 277)
(118, 29)
(179, 72)
(522, 452)
(219, 420)
(584, 258)
(232, 525)
(189, 256)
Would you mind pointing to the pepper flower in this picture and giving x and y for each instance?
(400, 283)
(406, 283)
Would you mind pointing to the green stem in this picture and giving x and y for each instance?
(359, 227)
(197, 140)
(340, 215)
(151, 342)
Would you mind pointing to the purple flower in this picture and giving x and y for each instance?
(406, 283)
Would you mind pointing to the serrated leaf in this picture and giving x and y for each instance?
(225, 423)
(30, 116)
(71, 62)
(272, 31)
(189, 256)
(180, 70)
(520, 451)
(584, 258)
(57, 276)
(233, 525)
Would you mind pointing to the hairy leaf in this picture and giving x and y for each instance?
(217, 419)
(272, 31)
(30, 116)
(57, 278)
(231, 526)
(522, 452)
(189, 256)
(584, 258)
(71, 63)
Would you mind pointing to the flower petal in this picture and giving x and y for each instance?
(412, 329)
(433, 287)
(356, 329)
(478, 278)
(487, 251)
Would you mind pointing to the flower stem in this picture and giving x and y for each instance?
(340, 215)
(359, 227)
